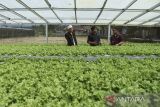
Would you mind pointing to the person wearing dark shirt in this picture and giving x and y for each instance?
(70, 36)
(93, 38)
(116, 38)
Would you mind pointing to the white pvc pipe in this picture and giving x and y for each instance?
(46, 33)
(109, 33)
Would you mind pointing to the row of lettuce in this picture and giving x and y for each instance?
(75, 83)
(49, 50)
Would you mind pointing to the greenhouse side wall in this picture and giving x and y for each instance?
(36, 34)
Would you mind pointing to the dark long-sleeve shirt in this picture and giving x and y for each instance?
(71, 39)
(93, 38)
(115, 39)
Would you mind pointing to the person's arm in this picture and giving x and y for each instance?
(91, 42)
(66, 36)
(94, 43)
(69, 42)
(119, 44)
(99, 40)
(75, 39)
(121, 40)
(112, 42)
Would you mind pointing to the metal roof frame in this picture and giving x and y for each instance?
(80, 9)
(50, 7)
(104, 4)
(129, 5)
(138, 16)
(75, 9)
(150, 20)
(30, 9)
(13, 12)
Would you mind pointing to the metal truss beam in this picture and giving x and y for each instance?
(129, 5)
(12, 11)
(30, 9)
(104, 4)
(138, 16)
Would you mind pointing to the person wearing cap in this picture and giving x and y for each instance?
(93, 38)
(70, 36)
(116, 38)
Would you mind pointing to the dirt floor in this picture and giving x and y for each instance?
(55, 40)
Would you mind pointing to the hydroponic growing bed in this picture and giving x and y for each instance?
(64, 82)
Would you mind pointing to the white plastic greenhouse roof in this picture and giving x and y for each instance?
(100, 12)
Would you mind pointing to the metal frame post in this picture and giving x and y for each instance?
(46, 33)
(109, 33)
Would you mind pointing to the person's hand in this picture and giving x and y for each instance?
(94, 43)
(119, 44)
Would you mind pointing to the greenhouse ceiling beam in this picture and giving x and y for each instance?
(46, 31)
(12, 11)
(148, 10)
(30, 9)
(129, 5)
(109, 33)
(75, 10)
(2, 21)
(150, 20)
(79, 9)
(157, 24)
(50, 7)
(91, 24)
(5, 17)
(104, 4)
(63, 18)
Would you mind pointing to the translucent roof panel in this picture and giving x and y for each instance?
(11, 3)
(69, 21)
(35, 3)
(158, 19)
(90, 3)
(158, 23)
(150, 23)
(9, 21)
(147, 16)
(65, 14)
(103, 21)
(86, 21)
(1, 18)
(46, 14)
(109, 15)
(62, 3)
(144, 4)
(128, 15)
(53, 20)
(28, 14)
(1, 22)
(38, 21)
(87, 14)
(134, 23)
(120, 4)
(21, 21)
(158, 8)
(87, 11)
(118, 22)
(9, 14)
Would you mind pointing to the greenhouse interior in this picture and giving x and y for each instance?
(79, 53)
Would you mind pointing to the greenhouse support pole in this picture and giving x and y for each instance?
(46, 33)
(109, 33)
